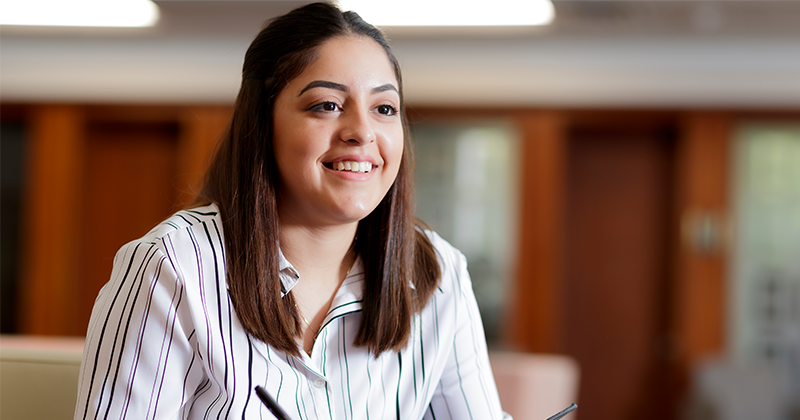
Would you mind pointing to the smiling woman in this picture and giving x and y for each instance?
(303, 269)
(326, 128)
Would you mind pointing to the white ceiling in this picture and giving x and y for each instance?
(598, 53)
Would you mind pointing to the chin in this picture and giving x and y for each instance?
(354, 213)
(353, 217)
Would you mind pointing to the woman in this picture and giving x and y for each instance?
(304, 272)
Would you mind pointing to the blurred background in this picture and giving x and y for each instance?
(624, 181)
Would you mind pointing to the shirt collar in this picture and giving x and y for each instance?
(288, 274)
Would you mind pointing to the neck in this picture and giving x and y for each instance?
(319, 253)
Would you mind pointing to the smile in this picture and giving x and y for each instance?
(351, 166)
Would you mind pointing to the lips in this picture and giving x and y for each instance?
(355, 163)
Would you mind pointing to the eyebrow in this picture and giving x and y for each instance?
(343, 88)
(384, 88)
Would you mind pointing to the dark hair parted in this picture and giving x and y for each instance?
(401, 268)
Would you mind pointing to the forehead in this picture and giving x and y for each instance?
(349, 59)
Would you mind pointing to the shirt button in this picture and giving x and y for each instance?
(319, 383)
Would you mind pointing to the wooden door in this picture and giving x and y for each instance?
(618, 224)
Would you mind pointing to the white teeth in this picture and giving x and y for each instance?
(352, 166)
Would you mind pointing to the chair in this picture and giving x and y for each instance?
(724, 389)
(535, 386)
(39, 377)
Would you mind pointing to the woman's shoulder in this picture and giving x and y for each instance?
(440, 244)
(180, 224)
(183, 238)
(452, 262)
(183, 220)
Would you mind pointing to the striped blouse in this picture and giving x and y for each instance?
(164, 342)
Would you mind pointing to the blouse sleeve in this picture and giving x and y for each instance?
(467, 389)
(138, 359)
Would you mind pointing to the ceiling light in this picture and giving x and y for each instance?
(101, 13)
(453, 12)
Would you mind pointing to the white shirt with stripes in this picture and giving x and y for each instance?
(164, 342)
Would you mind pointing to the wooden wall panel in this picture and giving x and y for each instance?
(538, 293)
(98, 177)
(129, 176)
(201, 129)
(51, 231)
(703, 185)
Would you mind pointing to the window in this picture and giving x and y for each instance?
(467, 192)
(766, 256)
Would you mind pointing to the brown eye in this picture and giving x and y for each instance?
(326, 107)
(386, 110)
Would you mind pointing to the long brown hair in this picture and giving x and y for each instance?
(242, 181)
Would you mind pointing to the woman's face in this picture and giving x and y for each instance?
(338, 136)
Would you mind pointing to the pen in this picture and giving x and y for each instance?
(271, 404)
(563, 412)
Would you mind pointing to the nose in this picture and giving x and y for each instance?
(357, 128)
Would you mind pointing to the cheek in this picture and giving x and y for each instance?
(394, 147)
(394, 158)
(294, 146)
(290, 136)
